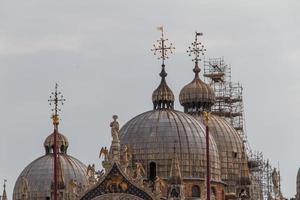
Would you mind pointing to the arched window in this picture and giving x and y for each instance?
(174, 193)
(152, 170)
(195, 191)
(213, 191)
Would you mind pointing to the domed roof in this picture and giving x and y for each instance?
(62, 142)
(162, 96)
(36, 180)
(151, 137)
(196, 95)
(232, 152)
(38, 176)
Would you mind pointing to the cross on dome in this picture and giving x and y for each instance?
(162, 48)
(196, 49)
(55, 100)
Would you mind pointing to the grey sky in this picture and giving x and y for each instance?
(98, 51)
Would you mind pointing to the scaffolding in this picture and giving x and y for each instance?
(261, 177)
(229, 95)
(229, 104)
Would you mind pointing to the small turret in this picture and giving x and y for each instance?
(175, 184)
(162, 96)
(196, 96)
(4, 196)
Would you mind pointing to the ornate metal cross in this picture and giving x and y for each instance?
(55, 99)
(196, 48)
(162, 48)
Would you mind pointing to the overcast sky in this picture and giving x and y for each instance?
(99, 53)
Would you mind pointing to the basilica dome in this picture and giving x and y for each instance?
(36, 180)
(234, 170)
(197, 97)
(153, 134)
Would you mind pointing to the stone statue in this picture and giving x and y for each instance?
(24, 187)
(158, 185)
(73, 187)
(140, 170)
(139, 173)
(91, 172)
(115, 148)
(104, 152)
(125, 154)
(115, 128)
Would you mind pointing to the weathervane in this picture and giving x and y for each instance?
(55, 99)
(162, 48)
(196, 48)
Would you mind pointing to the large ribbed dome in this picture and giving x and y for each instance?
(232, 152)
(151, 136)
(36, 180)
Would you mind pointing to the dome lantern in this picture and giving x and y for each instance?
(162, 96)
(197, 95)
(61, 142)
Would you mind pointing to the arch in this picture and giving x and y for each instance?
(119, 196)
(214, 191)
(152, 170)
(196, 191)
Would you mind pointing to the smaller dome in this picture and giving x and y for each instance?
(162, 96)
(38, 177)
(62, 143)
(197, 95)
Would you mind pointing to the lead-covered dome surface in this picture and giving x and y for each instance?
(39, 176)
(151, 136)
(196, 94)
(36, 180)
(234, 166)
(62, 143)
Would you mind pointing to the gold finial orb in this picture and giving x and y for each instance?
(55, 118)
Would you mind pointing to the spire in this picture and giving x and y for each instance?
(175, 185)
(197, 95)
(163, 97)
(4, 196)
(175, 173)
(56, 98)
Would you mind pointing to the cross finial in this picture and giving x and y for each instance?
(162, 48)
(196, 48)
(55, 100)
